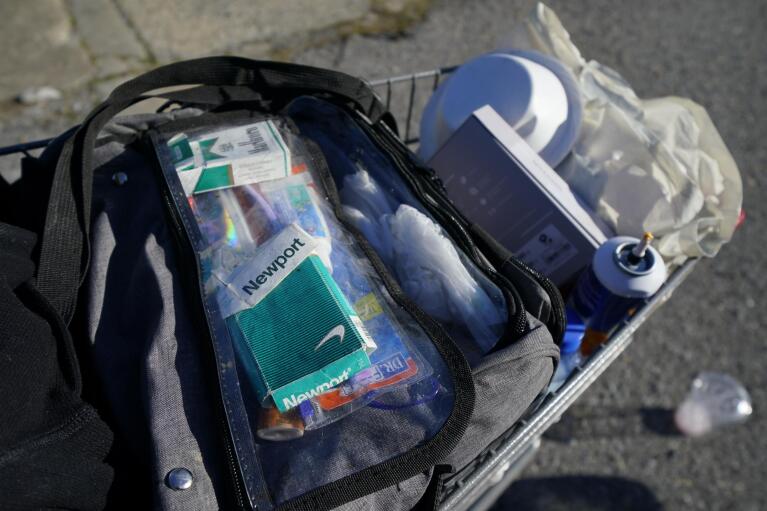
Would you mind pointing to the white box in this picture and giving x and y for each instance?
(502, 185)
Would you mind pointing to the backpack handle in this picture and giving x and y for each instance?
(64, 249)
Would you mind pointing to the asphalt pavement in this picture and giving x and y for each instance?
(616, 448)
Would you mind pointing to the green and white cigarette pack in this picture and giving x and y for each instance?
(295, 332)
(231, 157)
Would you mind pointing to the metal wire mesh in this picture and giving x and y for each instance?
(405, 97)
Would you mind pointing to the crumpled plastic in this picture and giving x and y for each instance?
(654, 165)
(432, 274)
(427, 264)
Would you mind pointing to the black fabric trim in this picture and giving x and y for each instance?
(431, 498)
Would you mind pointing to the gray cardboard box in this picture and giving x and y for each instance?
(501, 184)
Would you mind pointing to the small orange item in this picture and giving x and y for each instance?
(277, 426)
(337, 397)
(592, 339)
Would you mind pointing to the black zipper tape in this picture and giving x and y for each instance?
(558, 324)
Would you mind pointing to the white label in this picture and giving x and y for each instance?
(237, 156)
(250, 282)
(368, 341)
(547, 250)
(189, 179)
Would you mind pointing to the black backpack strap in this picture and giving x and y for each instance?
(64, 249)
(259, 75)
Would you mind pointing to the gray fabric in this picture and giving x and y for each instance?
(144, 346)
(506, 382)
(401, 496)
(150, 357)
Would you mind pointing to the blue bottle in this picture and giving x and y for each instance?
(570, 355)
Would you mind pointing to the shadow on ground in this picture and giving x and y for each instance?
(659, 420)
(613, 422)
(578, 493)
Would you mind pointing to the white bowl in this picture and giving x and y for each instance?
(534, 93)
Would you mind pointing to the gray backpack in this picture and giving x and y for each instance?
(119, 261)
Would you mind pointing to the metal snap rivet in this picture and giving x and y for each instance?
(119, 178)
(179, 479)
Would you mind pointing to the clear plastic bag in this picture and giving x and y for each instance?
(655, 165)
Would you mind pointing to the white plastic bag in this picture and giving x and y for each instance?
(429, 268)
(431, 273)
(654, 165)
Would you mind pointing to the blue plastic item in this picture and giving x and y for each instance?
(570, 356)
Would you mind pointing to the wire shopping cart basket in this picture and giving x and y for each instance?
(479, 484)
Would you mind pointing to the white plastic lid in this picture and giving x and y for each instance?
(614, 278)
(535, 94)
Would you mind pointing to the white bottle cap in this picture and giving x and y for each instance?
(534, 93)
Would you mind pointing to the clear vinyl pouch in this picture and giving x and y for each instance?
(330, 376)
